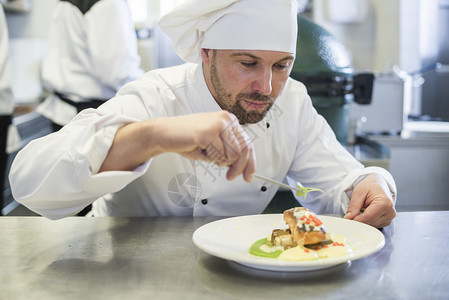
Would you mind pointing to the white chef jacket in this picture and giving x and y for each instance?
(57, 175)
(90, 55)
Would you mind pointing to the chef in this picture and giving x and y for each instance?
(9, 137)
(187, 140)
(91, 53)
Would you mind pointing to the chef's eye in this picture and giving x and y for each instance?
(281, 66)
(247, 64)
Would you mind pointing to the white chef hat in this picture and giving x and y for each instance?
(231, 24)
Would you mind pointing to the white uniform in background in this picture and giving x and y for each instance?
(9, 137)
(91, 53)
(293, 141)
(6, 96)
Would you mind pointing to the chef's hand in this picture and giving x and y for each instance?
(371, 202)
(215, 137)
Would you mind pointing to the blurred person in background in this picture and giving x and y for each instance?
(9, 139)
(91, 53)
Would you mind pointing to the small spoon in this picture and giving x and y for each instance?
(300, 189)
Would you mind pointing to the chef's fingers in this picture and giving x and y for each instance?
(215, 152)
(379, 213)
(245, 165)
(245, 162)
(226, 148)
(210, 153)
(225, 143)
(234, 141)
(355, 206)
(218, 143)
(250, 169)
(370, 215)
(365, 192)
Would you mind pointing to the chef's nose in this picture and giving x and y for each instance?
(262, 84)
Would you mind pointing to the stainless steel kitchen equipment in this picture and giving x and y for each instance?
(323, 65)
(388, 109)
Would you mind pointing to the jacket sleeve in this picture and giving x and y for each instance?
(57, 175)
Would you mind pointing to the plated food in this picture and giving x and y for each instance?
(231, 238)
(304, 239)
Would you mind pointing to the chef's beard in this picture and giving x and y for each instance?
(226, 102)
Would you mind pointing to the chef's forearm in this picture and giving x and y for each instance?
(133, 145)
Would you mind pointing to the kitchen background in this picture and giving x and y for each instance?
(404, 43)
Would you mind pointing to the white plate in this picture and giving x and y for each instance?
(231, 239)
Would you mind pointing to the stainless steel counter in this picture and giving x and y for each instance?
(155, 258)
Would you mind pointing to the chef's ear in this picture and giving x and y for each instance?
(206, 56)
